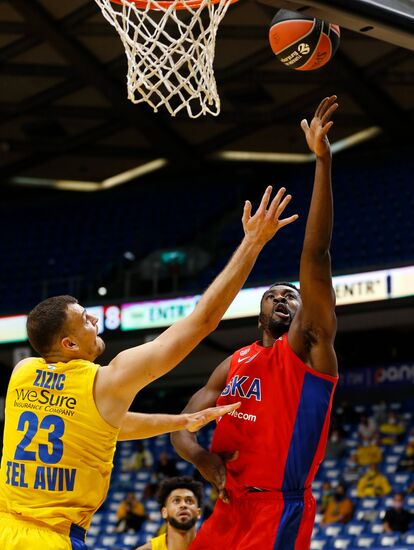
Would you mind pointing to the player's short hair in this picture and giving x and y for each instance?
(284, 283)
(279, 283)
(46, 321)
(180, 482)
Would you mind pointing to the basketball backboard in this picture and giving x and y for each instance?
(388, 20)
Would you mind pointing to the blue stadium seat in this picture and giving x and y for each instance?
(401, 479)
(342, 542)
(108, 540)
(90, 541)
(389, 540)
(151, 527)
(408, 538)
(376, 528)
(319, 543)
(354, 528)
(133, 540)
(410, 501)
(369, 504)
(334, 529)
(365, 541)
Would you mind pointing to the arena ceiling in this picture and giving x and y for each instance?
(64, 113)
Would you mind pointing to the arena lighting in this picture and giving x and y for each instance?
(354, 288)
(355, 139)
(78, 185)
(259, 156)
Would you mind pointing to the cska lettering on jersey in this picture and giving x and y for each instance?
(244, 386)
(47, 478)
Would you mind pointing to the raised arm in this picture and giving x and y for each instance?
(313, 330)
(141, 426)
(131, 370)
(210, 465)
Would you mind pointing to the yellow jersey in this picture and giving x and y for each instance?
(159, 543)
(58, 450)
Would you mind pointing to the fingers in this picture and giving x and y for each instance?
(320, 107)
(200, 419)
(327, 115)
(326, 105)
(233, 456)
(276, 201)
(247, 210)
(283, 205)
(304, 125)
(326, 128)
(223, 495)
(265, 200)
(227, 457)
(215, 412)
(289, 220)
(220, 482)
(277, 208)
(230, 457)
(225, 409)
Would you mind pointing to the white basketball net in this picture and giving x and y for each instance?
(170, 52)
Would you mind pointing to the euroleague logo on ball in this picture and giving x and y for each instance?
(303, 48)
(303, 43)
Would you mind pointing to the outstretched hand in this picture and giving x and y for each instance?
(317, 133)
(195, 421)
(265, 223)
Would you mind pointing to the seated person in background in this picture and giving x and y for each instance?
(373, 484)
(166, 467)
(369, 453)
(392, 430)
(140, 458)
(366, 428)
(326, 496)
(397, 518)
(381, 413)
(180, 499)
(131, 514)
(407, 461)
(352, 470)
(336, 445)
(340, 508)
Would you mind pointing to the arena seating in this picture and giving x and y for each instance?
(365, 530)
(78, 241)
(373, 225)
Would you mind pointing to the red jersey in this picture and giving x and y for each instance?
(281, 427)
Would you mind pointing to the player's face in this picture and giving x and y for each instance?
(181, 509)
(82, 333)
(278, 308)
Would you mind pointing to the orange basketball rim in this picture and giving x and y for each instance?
(165, 4)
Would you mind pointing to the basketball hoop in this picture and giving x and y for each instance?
(170, 47)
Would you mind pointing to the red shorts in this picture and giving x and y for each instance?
(265, 520)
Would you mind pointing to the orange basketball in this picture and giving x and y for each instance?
(303, 43)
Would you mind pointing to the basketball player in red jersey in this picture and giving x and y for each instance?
(265, 455)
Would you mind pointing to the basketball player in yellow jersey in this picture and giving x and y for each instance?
(64, 413)
(180, 499)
